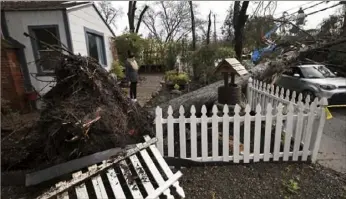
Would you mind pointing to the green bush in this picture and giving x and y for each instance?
(176, 87)
(118, 70)
(130, 41)
(174, 77)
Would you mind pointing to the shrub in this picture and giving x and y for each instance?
(129, 41)
(174, 77)
(176, 87)
(118, 70)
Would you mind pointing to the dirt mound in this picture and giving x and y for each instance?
(84, 113)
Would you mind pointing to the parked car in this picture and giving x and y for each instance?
(316, 81)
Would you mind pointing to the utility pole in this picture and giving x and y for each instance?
(215, 38)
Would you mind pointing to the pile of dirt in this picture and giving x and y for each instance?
(85, 112)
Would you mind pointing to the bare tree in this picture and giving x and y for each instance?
(209, 26)
(149, 21)
(140, 19)
(239, 20)
(344, 24)
(193, 27)
(131, 15)
(171, 22)
(109, 12)
(227, 28)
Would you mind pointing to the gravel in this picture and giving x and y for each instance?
(263, 180)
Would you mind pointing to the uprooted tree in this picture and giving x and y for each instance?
(84, 113)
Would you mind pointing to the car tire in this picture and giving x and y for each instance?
(308, 92)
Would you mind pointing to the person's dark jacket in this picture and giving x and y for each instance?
(131, 73)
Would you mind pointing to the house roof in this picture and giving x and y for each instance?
(46, 5)
(38, 5)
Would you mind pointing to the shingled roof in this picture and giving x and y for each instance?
(46, 5)
(38, 5)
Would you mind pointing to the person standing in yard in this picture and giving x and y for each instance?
(131, 68)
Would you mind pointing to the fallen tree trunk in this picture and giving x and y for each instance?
(208, 94)
(266, 71)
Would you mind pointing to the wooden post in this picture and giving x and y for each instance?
(322, 121)
(249, 94)
(225, 78)
(232, 78)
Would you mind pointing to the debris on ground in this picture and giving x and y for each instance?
(84, 113)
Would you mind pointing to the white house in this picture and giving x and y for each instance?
(79, 27)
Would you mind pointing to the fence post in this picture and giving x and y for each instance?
(159, 133)
(204, 133)
(170, 132)
(193, 128)
(182, 132)
(322, 115)
(225, 131)
(249, 92)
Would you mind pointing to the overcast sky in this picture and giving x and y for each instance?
(220, 9)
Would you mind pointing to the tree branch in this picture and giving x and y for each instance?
(141, 17)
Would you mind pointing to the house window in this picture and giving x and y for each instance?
(95, 45)
(47, 58)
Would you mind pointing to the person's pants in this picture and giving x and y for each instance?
(133, 90)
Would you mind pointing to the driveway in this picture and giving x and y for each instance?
(145, 88)
(333, 143)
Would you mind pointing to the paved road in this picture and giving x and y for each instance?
(333, 144)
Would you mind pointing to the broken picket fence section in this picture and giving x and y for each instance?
(279, 134)
(128, 174)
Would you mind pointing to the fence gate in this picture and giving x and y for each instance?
(121, 174)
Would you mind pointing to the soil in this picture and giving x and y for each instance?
(263, 180)
(84, 113)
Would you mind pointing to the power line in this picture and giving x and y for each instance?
(295, 7)
(340, 3)
(317, 11)
(310, 7)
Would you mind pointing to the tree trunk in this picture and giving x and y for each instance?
(209, 26)
(240, 18)
(193, 28)
(344, 25)
(141, 17)
(131, 15)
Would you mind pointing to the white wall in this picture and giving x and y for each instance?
(18, 22)
(88, 17)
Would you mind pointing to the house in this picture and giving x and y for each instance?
(77, 26)
(12, 84)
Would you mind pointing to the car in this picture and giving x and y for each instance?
(316, 81)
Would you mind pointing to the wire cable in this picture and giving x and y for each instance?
(310, 7)
(294, 7)
(314, 12)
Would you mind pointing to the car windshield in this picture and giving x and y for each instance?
(317, 71)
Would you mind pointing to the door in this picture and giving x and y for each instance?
(291, 80)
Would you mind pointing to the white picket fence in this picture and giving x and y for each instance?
(262, 93)
(279, 134)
